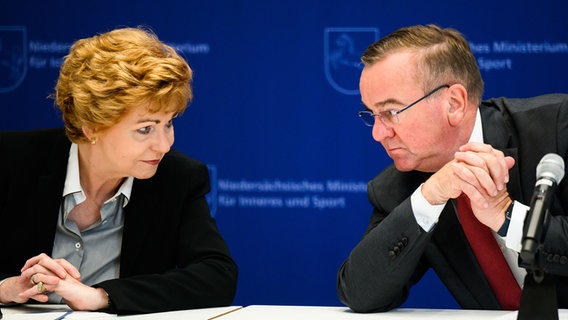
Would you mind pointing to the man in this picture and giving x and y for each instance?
(422, 88)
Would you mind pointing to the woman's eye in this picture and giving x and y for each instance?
(169, 124)
(145, 130)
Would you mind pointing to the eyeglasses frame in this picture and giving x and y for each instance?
(395, 113)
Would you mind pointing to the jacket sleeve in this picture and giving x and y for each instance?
(380, 270)
(553, 255)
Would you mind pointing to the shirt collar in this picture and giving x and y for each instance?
(477, 134)
(73, 183)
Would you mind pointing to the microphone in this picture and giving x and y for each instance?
(549, 173)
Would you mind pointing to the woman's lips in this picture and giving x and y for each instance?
(152, 162)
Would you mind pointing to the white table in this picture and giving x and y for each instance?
(341, 313)
(265, 312)
(51, 312)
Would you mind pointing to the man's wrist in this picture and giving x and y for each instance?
(429, 195)
(505, 226)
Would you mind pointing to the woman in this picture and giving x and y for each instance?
(104, 215)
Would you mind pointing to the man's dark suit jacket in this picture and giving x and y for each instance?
(173, 256)
(395, 252)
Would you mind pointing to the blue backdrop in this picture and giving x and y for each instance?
(274, 114)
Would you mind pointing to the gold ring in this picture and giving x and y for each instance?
(40, 288)
(32, 279)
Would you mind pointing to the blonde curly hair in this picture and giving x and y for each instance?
(107, 75)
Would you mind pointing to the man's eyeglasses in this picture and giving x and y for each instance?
(390, 117)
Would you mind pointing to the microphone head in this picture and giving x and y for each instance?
(551, 166)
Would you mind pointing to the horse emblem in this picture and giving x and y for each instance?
(342, 51)
(13, 57)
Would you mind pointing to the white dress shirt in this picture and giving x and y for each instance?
(94, 251)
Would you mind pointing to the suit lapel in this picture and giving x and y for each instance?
(514, 184)
(49, 194)
(498, 133)
(139, 215)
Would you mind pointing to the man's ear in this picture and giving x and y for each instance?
(457, 104)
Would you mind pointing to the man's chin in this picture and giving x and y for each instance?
(407, 166)
(403, 166)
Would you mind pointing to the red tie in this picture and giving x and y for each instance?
(489, 256)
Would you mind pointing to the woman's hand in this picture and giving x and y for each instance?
(12, 288)
(39, 275)
(79, 296)
(42, 274)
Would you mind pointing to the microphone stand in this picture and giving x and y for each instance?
(538, 297)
